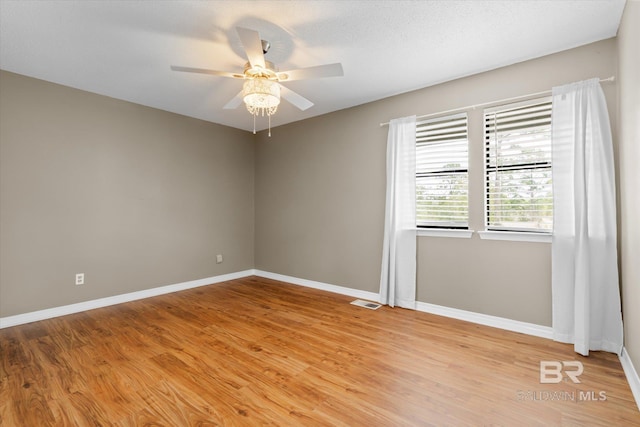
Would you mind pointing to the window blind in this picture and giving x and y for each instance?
(442, 172)
(518, 167)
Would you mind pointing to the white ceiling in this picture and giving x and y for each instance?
(123, 49)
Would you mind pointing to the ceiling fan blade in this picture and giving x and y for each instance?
(205, 71)
(317, 72)
(234, 103)
(298, 100)
(252, 44)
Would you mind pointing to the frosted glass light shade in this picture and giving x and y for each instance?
(261, 96)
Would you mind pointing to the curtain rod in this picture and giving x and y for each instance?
(484, 104)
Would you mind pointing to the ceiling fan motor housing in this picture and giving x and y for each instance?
(253, 72)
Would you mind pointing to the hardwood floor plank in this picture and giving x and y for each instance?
(176, 407)
(256, 351)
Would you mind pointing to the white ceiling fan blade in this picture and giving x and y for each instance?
(298, 100)
(252, 46)
(317, 72)
(234, 102)
(205, 71)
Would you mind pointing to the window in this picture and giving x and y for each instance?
(442, 172)
(518, 167)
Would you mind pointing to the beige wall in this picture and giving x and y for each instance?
(320, 195)
(138, 198)
(131, 196)
(629, 171)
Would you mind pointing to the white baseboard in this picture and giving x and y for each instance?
(482, 319)
(49, 313)
(631, 374)
(469, 316)
(487, 320)
(371, 296)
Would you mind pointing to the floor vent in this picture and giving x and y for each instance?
(366, 304)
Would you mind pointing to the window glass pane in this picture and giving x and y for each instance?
(518, 167)
(525, 146)
(520, 199)
(442, 172)
(442, 199)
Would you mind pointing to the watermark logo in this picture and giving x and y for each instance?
(551, 371)
(555, 372)
(558, 395)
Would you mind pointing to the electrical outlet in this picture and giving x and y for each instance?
(79, 279)
(219, 259)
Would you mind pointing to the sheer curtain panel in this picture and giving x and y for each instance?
(398, 275)
(586, 297)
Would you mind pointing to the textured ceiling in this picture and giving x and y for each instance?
(123, 49)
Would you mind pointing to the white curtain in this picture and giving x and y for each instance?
(398, 276)
(586, 296)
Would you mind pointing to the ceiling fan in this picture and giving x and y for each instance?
(261, 90)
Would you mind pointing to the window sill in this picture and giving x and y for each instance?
(515, 236)
(442, 232)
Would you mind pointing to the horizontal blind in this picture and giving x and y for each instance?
(442, 172)
(518, 166)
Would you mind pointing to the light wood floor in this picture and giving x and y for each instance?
(259, 352)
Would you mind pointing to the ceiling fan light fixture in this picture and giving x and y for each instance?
(261, 88)
(261, 96)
